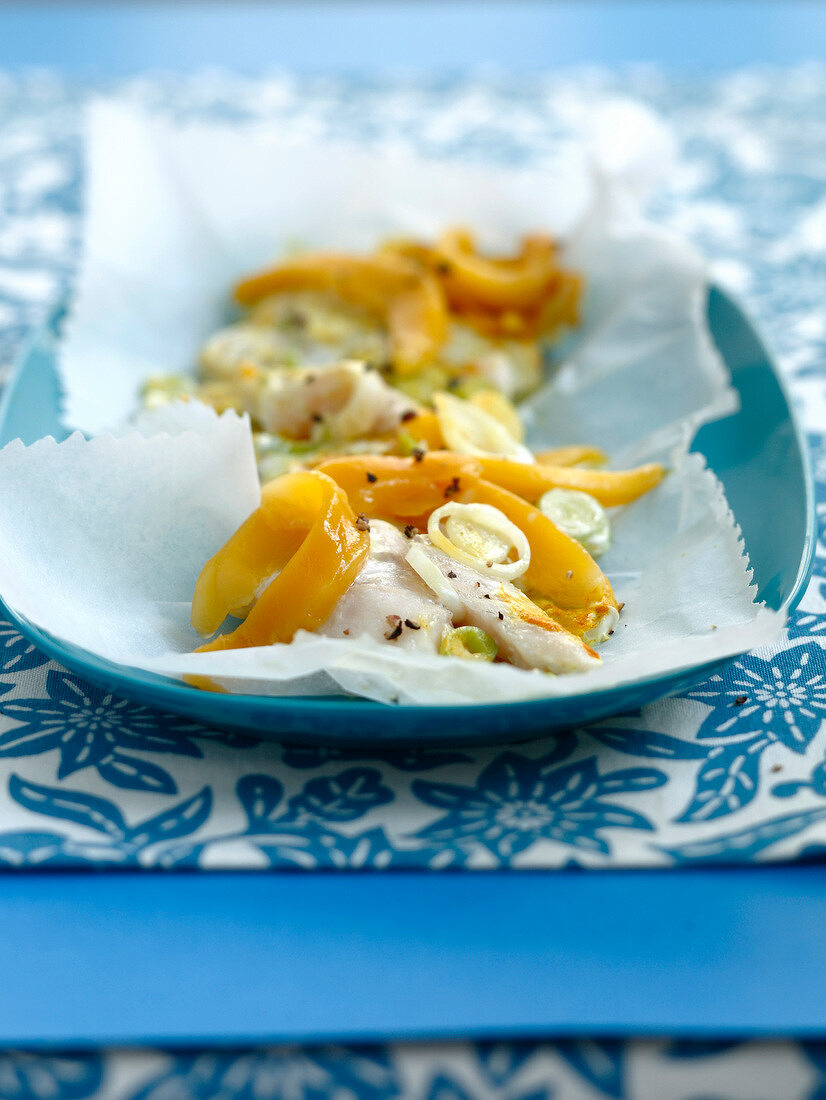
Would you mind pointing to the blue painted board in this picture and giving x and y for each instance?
(407, 36)
(234, 958)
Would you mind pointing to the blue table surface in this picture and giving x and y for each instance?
(114, 39)
(238, 958)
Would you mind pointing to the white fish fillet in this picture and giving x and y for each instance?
(387, 597)
(525, 635)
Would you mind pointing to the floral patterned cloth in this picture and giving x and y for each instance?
(732, 770)
(564, 1070)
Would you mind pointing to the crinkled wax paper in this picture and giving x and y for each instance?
(102, 539)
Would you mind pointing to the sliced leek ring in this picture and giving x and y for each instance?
(579, 515)
(482, 537)
(471, 430)
(432, 576)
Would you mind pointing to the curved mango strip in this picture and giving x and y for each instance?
(561, 570)
(305, 528)
(562, 307)
(473, 280)
(406, 297)
(396, 488)
(417, 322)
(572, 455)
(609, 487)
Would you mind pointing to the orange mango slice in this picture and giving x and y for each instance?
(305, 530)
(407, 297)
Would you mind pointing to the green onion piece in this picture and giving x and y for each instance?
(408, 445)
(469, 642)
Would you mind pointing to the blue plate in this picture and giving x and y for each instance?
(759, 455)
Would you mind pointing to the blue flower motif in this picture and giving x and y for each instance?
(16, 653)
(290, 1073)
(745, 845)
(92, 728)
(807, 624)
(299, 832)
(501, 1062)
(816, 1051)
(518, 801)
(600, 1062)
(25, 1076)
(150, 841)
(444, 1086)
(727, 780)
(783, 697)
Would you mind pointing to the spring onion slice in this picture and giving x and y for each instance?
(482, 537)
(430, 573)
(579, 515)
(471, 430)
(469, 643)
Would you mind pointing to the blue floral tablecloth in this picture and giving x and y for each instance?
(564, 1070)
(732, 770)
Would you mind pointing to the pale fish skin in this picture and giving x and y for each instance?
(525, 635)
(386, 594)
(349, 400)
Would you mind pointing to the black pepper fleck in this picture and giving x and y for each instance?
(394, 633)
(362, 522)
(412, 626)
(409, 531)
(452, 575)
(740, 699)
(316, 418)
(371, 477)
(418, 454)
(486, 596)
(408, 414)
(501, 616)
(453, 488)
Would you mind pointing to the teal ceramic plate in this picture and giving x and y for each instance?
(759, 455)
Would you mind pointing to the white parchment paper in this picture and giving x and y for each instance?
(175, 215)
(102, 540)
